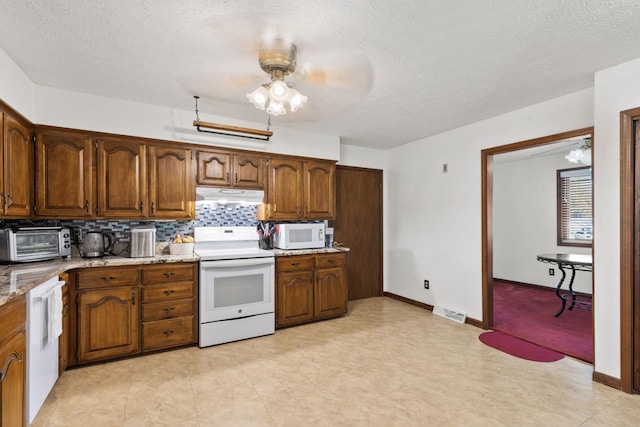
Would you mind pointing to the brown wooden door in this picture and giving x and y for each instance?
(294, 297)
(319, 190)
(122, 178)
(108, 322)
(172, 193)
(330, 293)
(12, 381)
(64, 175)
(214, 168)
(358, 225)
(248, 171)
(18, 169)
(285, 189)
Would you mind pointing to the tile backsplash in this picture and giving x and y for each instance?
(207, 214)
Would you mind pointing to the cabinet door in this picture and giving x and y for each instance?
(330, 294)
(294, 297)
(319, 189)
(18, 169)
(108, 322)
(63, 340)
(214, 168)
(122, 178)
(248, 171)
(171, 190)
(64, 175)
(285, 189)
(12, 381)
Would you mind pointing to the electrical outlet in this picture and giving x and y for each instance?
(552, 272)
(77, 235)
(426, 284)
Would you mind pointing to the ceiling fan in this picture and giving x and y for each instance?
(277, 75)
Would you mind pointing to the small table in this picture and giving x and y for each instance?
(575, 262)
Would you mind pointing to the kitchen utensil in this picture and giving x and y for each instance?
(95, 244)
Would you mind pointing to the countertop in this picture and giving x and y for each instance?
(18, 279)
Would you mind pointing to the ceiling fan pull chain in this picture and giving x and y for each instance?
(197, 113)
(269, 123)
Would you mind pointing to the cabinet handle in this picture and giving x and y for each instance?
(169, 309)
(169, 273)
(10, 201)
(153, 207)
(168, 292)
(141, 206)
(331, 261)
(227, 176)
(13, 356)
(299, 212)
(167, 333)
(236, 177)
(3, 200)
(133, 297)
(107, 278)
(86, 205)
(295, 264)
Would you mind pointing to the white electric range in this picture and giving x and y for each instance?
(236, 289)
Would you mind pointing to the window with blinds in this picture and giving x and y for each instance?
(575, 207)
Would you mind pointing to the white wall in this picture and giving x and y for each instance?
(616, 89)
(16, 89)
(63, 108)
(525, 223)
(434, 218)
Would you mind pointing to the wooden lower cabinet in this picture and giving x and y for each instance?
(310, 287)
(108, 322)
(169, 305)
(63, 340)
(13, 349)
(123, 311)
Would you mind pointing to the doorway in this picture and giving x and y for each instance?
(358, 226)
(487, 211)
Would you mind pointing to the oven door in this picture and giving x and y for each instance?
(231, 289)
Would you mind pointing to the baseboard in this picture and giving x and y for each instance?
(470, 321)
(607, 380)
(531, 285)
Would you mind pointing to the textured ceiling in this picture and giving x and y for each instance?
(394, 70)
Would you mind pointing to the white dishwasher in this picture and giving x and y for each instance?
(43, 327)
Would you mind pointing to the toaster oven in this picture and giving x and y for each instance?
(26, 244)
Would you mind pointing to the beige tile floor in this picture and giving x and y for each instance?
(385, 364)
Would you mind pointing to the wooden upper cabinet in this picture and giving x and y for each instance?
(64, 175)
(300, 189)
(225, 169)
(319, 189)
(17, 176)
(122, 178)
(284, 196)
(171, 189)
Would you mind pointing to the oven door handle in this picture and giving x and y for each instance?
(230, 263)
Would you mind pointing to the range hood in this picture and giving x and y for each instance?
(230, 195)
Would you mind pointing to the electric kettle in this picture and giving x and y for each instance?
(95, 244)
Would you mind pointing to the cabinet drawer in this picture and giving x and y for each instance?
(167, 291)
(167, 273)
(294, 263)
(167, 310)
(167, 333)
(330, 260)
(101, 277)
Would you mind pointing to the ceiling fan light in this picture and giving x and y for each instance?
(279, 91)
(276, 108)
(296, 100)
(258, 97)
(586, 157)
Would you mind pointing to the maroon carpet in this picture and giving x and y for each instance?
(527, 312)
(519, 348)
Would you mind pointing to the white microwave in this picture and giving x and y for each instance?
(299, 236)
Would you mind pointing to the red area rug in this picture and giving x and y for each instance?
(527, 312)
(519, 348)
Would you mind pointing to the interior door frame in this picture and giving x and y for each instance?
(629, 241)
(487, 209)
